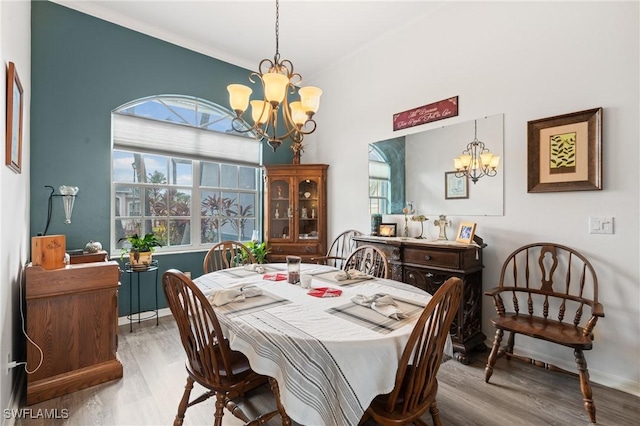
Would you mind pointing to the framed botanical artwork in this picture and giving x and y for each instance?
(13, 149)
(564, 152)
(466, 231)
(455, 186)
(387, 229)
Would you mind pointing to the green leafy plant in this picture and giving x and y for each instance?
(258, 250)
(138, 244)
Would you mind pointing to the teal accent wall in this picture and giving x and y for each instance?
(82, 69)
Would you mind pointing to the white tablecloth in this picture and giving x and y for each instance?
(329, 365)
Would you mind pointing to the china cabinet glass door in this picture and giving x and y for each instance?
(308, 210)
(281, 210)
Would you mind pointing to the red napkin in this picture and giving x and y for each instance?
(325, 292)
(279, 276)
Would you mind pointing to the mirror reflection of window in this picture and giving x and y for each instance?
(386, 176)
(379, 182)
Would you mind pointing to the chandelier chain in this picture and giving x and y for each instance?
(277, 28)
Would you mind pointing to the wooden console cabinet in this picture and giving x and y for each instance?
(72, 314)
(427, 265)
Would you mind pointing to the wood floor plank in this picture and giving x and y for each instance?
(154, 379)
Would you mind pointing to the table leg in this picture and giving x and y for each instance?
(130, 303)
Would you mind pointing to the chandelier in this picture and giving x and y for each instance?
(274, 113)
(476, 161)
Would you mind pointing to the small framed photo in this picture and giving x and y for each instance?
(387, 229)
(466, 231)
(13, 149)
(455, 186)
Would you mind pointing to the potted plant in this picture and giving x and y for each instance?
(140, 249)
(258, 250)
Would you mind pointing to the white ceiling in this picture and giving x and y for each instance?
(313, 34)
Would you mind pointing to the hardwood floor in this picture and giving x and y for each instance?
(154, 378)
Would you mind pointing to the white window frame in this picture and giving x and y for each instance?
(183, 141)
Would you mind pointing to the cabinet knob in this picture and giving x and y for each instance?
(427, 257)
(428, 275)
(278, 249)
(308, 249)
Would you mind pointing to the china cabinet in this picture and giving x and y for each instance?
(427, 265)
(295, 210)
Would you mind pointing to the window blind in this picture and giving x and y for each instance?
(147, 135)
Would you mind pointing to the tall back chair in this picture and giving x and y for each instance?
(210, 362)
(227, 254)
(370, 260)
(416, 385)
(543, 291)
(340, 249)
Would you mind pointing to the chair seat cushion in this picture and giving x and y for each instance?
(546, 329)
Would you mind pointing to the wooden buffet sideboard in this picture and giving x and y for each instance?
(427, 265)
(72, 314)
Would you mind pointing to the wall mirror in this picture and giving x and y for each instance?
(417, 167)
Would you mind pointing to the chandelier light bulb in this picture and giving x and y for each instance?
(239, 97)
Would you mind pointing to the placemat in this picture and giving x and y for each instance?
(330, 277)
(368, 318)
(252, 304)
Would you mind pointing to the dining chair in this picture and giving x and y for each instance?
(368, 259)
(341, 247)
(416, 385)
(227, 254)
(225, 373)
(547, 280)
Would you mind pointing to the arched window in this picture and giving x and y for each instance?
(181, 173)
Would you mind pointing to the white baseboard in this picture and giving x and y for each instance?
(14, 399)
(161, 313)
(595, 376)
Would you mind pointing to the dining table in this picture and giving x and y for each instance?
(329, 355)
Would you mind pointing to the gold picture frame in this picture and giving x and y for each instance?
(387, 230)
(564, 152)
(13, 142)
(466, 231)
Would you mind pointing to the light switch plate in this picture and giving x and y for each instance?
(600, 225)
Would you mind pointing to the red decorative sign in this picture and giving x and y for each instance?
(426, 114)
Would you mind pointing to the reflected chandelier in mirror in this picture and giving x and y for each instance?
(413, 167)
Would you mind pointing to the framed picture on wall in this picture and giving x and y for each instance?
(387, 229)
(13, 148)
(455, 187)
(564, 152)
(466, 231)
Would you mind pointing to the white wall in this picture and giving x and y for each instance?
(528, 61)
(15, 46)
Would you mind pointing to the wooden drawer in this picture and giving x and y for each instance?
(311, 248)
(432, 257)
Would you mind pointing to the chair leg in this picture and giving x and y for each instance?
(435, 413)
(585, 387)
(220, 403)
(286, 421)
(493, 356)
(510, 343)
(184, 403)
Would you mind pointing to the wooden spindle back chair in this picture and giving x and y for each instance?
(341, 247)
(227, 254)
(543, 291)
(416, 385)
(225, 373)
(368, 259)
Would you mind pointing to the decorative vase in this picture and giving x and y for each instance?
(376, 220)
